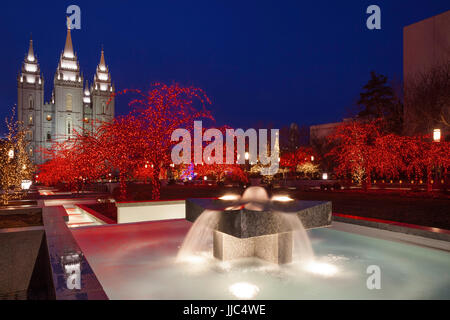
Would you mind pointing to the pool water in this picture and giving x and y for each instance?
(137, 261)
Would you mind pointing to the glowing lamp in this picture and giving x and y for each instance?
(437, 135)
(324, 176)
(26, 184)
(247, 156)
(312, 158)
(11, 153)
(205, 178)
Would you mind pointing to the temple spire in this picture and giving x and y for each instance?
(68, 49)
(102, 64)
(30, 55)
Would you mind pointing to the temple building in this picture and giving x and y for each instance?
(74, 104)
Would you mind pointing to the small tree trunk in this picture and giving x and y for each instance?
(368, 183)
(429, 185)
(156, 184)
(122, 187)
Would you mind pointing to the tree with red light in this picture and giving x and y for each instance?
(144, 136)
(354, 149)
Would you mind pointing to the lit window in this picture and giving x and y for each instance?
(30, 120)
(68, 102)
(86, 120)
(69, 127)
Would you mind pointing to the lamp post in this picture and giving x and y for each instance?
(437, 138)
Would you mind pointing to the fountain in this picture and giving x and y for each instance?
(254, 225)
(148, 262)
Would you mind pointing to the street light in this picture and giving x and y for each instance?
(437, 135)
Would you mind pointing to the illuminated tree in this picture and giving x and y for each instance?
(362, 150)
(302, 155)
(354, 149)
(156, 114)
(135, 145)
(15, 164)
(308, 168)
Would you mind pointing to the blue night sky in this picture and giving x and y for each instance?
(259, 61)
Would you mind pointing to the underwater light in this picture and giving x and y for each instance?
(320, 268)
(282, 198)
(229, 197)
(243, 290)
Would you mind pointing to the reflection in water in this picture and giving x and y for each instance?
(71, 262)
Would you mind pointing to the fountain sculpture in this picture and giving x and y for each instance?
(272, 229)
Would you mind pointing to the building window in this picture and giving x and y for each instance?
(30, 120)
(30, 151)
(49, 117)
(49, 136)
(68, 102)
(69, 127)
(103, 107)
(30, 102)
(29, 135)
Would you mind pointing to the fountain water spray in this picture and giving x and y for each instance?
(253, 225)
